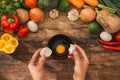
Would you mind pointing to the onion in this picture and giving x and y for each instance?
(46, 52)
(87, 15)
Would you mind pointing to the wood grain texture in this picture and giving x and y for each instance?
(104, 64)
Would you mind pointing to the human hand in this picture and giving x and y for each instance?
(81, 63)
(36, 66)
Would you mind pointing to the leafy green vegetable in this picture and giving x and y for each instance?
(113, 4)
(8, 7)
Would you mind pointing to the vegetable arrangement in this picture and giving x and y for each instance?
(22, 16)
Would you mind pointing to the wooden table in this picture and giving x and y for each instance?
(104, 64)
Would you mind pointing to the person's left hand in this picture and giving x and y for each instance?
(36, 66)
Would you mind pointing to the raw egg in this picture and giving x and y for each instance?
(59, 44)
(60, 49)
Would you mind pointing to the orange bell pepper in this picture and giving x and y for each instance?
(91, 2)
(77, 3)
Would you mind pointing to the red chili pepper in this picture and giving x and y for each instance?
(118, 36)
(10, 24)
(23, 31)
(112, 47)
(108, 43)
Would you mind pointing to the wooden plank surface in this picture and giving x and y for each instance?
(104, 64)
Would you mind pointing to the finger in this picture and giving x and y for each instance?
(42, 60)
(35, 57)
(74, 77)
(76, 56)
(81, 51)
(71, 57)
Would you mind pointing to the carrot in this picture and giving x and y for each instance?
(91, 2)
(77, 3)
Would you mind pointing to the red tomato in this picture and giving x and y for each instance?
(118, 36)
(31, 3)
(23, 31)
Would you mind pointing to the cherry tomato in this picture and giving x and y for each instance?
(23, 31)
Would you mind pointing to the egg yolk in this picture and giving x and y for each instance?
(60, 49)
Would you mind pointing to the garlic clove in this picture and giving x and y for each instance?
(46, 52)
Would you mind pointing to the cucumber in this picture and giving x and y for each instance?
(64, 6)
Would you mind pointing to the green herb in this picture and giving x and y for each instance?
(113, 4)
(8, 7)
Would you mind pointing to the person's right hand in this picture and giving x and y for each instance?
(36, 66)
(81, 63)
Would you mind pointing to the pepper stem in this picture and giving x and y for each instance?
(10, 20)
(87, 6)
